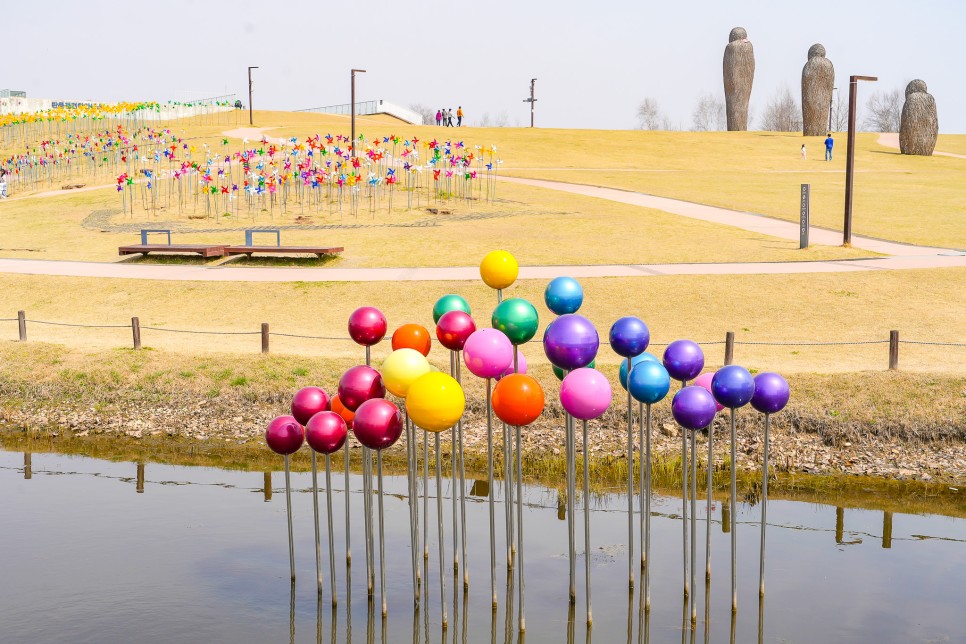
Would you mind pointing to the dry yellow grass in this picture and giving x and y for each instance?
(925, 305)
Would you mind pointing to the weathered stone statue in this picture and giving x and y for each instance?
(739, 73)
(919, 126)
(818, 80)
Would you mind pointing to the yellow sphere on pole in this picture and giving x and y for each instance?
(435, 402)
(401, 368)
(499, 269)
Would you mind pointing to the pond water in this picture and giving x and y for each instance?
(99, 551)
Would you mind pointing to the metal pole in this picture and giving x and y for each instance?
(315, 514)
(646, 518)
(590, 618)
(630, 479)
(250, 119)
(734, 515)
(489, 478)
(764, 510)
(694, 524)
(353, 108)
(328, 510)
(288, 508)
(382, 536)
(831, 100)
(439, 528)
(532, 99)
(519, 500)
(850, 158)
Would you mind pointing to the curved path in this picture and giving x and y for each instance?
(891, 140)
(899, 256)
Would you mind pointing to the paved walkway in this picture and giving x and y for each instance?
(898, 256)
(891, 140)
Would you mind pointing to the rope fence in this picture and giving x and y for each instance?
(266, 334)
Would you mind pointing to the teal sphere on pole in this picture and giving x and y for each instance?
(557, 371)
(517, 318)
(636, 360)
(447, 303)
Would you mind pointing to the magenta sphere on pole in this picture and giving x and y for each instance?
(771, 393)
(683, 360)
(367, 325)
(358, 385)
(377, 424)
(571, 341)
(693, 407)
(326, 432)
(629, 336)
(284, 435)
(307, 402)
(704, 380)
(454, 329)
(585, 393)
(521, 366)
(487, 353)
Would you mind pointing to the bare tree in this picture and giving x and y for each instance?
(782, 113)
(884, 111)
(502, 119)
(709, 115)
(429, 115)
(485, 120)
(840, 113)
(650, 117)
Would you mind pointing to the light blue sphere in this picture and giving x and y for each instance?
(563, 295)
(636, 360)
(649, 382)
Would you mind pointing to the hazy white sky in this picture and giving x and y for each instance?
(594, 61)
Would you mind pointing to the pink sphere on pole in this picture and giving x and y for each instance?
(487, 353)
(704, 381)
(358, 385)
(284, 435)
(454, 328)
(521, 366)
(326, 432)
(378, 424)
(585, 393)
(307, 402)
(367, 325)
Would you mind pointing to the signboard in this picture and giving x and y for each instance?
(803, 219)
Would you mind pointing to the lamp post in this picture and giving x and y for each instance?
(353, 108)
(531, 100)
(831, 101)
(250, 122)
(850, 158)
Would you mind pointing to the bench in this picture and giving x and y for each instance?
(284, 250)
(160, 231)
(205, 250)
(250, 232)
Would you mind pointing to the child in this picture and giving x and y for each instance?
(803, 151)
(3, 184)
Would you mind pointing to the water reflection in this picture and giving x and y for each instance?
(217, 567)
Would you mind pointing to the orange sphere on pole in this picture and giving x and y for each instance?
(337, 406)
(518, 399)
(412, 336)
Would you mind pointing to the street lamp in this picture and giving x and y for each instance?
(531, 100)
(250, 122)
(361, 71)
(850, 158)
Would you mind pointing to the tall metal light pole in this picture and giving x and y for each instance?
(831, 100)
(850, 158)
(250, 121)
(531, 100)
(361, 71)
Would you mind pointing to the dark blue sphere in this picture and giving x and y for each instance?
(733, 386)
(771, 393)
(649, 382)
(629, 336)
(693, 407)
(684, 360)
(563, 295)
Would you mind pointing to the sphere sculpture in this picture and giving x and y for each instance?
(518, 399)
(636, 360)
(499, 269)
(771, 393)
(693, 407)
(453, 328)
(571, 342)
(435, 402)
(307, 402)
(488, 353)
(563, 295)
(629, 336)
(585, 394)
(412, 336)
(284, 435)
(358, 385)
(447, 303)
(919, 124)
(561, 374)
(649, 381)
(818, 81)
(739, 74)
(733, 386)
(378, 424)
(401, 368)
(684, 360)
(344, 412)
(521, 366)
(517, 318)
(367, 325)
(326, 432)
(704, 380)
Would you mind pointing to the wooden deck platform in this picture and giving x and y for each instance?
(284, 250)
(205, 250)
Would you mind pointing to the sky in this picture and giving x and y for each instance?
(594, 61)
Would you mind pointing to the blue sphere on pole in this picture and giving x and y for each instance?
(629, 336)
(636, 360)
(733, 386)
(649, 382)
(563, 295)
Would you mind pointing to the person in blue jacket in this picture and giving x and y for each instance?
(829, 142)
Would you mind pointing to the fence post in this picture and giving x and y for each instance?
(264, 337)
(22, 323)
(136, 331)
(729, 348)
(893, 350)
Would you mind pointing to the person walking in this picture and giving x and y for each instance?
(829, 142)
(449, 117)
(459, 116)
(3, 184)
(439, 117)
(803, 152)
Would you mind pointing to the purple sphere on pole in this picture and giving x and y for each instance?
(683, 360)
(377, 424)
(771, 393)
(358, 385)
(571, 341)
(693, 407)
(629, 336)
(367, 325)
(307, 402)
(326, 432)
(733, 386)
(284, 435)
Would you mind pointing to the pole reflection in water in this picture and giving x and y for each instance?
(839, 524)
(139, 487)
(886, 529)
(761, 619)
(291, 614)
(28, 470)
(267, 486)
